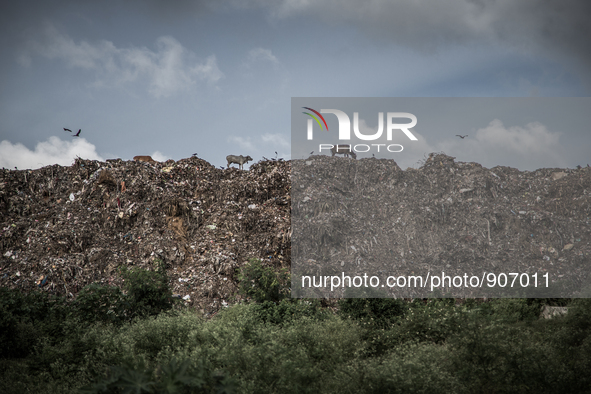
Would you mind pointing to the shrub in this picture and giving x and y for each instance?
(174, 377)
(106, 304)
(26, 318)
(262, 283)
(510, 309)
(148, 292)
(376, 312)
(288, 311)
(494, 356)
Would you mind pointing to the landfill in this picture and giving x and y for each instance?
(512, 230)
(64, 227)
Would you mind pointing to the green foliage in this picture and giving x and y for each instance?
(292, 346)
(174, 377)
(510, 309)
(262, 283)
(26, 318)
(307, 356)
(288, 311)
(100, 303)
(148, 292)
(492, 356)
(377, 312)
(13, 332)
(409, 368)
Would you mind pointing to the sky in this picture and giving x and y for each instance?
(170, 79)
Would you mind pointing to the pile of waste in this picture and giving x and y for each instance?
(65, 227)
(62, 228)
(369, 216)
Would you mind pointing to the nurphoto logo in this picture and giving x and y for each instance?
(345, 129)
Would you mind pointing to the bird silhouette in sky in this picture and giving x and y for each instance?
(312, 152)
(194, 154)
(77, 134)
(461, 136)
(67, 130)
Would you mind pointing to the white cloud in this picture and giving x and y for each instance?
(52, 151)
(527, 148)
(158, 156)
(261, 54)
(169, 69)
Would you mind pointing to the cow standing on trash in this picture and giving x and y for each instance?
(345, 150)
(240, 160)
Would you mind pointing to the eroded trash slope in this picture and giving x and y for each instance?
(65, 227)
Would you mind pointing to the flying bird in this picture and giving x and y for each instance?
(77, 134)
(67, 130)
(461, 136)
(312, 152)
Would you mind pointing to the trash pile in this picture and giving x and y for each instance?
(369, 216)
(65, 227)
(62, 228)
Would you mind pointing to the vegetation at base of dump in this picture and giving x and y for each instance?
(262, 283)
(137, 343)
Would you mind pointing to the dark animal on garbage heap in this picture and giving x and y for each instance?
(240, 160)
(345, 150)
(147, 159)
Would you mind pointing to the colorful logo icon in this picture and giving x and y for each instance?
(315, 118)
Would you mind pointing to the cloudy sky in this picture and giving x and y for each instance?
(170, 79)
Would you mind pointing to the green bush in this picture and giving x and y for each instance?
(291, 346)
(308, 356)
(26, 318)
(409, 368)
(493, 356)
(148, 292)
(376, 312)
(174, 377)
(510, 309)
(262, 283)
(102, 303)
(288, 311)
